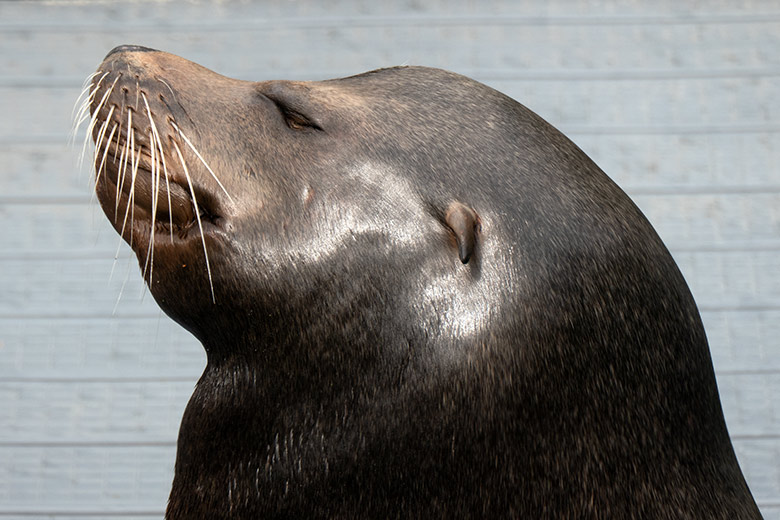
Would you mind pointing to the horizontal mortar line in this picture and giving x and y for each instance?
(350, 22)
(737, 128)
(750, 307)
(665, 191)
(749, 372)
(487, 74)
(50, 139)
(510, 74)
(65, 256)
(733, 189)
(720, 248)
(118, 379)
(88, 444)
(79, 513)
(24, 200)
(79, 316)
(755, 437)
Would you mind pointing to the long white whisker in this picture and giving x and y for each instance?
(129, 208)
(91, 126)
(116, 254)
(169, 87)
(99, 170)
(78, 117)
(124, 282)
(197, 154)
(120, 174)
(157, 142)
(127, 154)
(98, 144)
(197, 217)
(137, 92)
(99, 140)
(119, 133)
(155, 172)
(83, 104)
(103, 126)
(86, 87)
(134, 176)
(87, 90)
(94, 119)
(83, 113)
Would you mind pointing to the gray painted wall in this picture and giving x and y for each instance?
(678, 101)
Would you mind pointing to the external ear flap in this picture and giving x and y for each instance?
(464, 223)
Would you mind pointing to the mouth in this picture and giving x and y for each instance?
(152, 201)
(151, 181)
(144, 192)
(143, 179)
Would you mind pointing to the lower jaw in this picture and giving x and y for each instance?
(167, 234)
(142, 229)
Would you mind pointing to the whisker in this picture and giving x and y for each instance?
(89, 132)
(78, 117)
(126, 155)
(155, 174)
(129, 208)
(94, 118)
(197, 154)
(98, 144)
(157, 142)
(86, 87)
(137, 92)
(120, 174)
(102, 168)
(83, 112)
(169, 87)
(87, 141)
(124, 282)
(119, 132)
(197, 217)
(134, 176)
(99, 140)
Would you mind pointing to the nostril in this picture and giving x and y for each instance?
(129, 48)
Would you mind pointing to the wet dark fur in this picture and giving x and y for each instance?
(357, 368)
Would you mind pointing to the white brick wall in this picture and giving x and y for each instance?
(678, 101)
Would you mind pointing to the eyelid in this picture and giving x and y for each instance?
(297, 121)
(293, 118)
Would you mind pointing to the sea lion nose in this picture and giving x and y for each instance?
(129, 48)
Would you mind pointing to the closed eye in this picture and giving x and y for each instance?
(295, 119)
(298, 121)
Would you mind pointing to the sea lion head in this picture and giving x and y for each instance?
(405, 263)
(266, 199)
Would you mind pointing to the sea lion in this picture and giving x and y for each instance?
(418, 300)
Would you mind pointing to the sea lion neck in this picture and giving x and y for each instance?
(312, 371)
